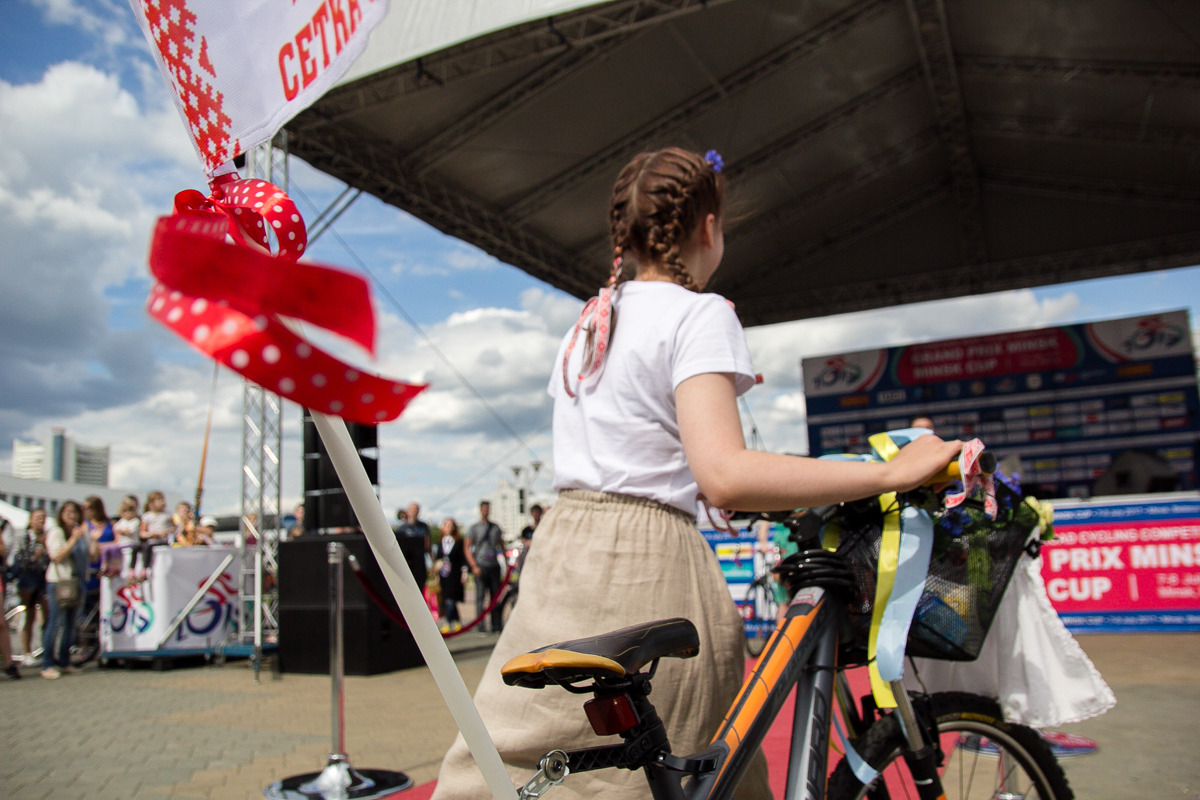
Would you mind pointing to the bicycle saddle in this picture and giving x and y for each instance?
(610, 655)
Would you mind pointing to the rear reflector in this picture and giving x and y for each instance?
(612, 714)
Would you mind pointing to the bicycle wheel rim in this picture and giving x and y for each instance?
(981, 763)
(14, 621)
(757, 633)
(983, 756)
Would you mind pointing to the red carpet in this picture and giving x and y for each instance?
(775, 746)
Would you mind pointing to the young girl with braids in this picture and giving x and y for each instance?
(645, 422)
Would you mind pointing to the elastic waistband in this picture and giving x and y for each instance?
(585, 497)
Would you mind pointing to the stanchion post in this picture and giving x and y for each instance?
(337, 646)
(429, 640)
(339, 780)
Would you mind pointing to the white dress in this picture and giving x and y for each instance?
(1030, 663)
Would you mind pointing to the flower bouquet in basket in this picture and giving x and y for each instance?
(973, 558)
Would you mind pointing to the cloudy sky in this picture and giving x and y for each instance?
(92, 151)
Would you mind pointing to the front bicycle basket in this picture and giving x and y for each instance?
(972, 562)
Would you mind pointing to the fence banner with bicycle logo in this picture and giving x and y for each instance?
(741, 561)
(134, 617)
(1126, 564)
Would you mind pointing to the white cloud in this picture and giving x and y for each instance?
(465, 257)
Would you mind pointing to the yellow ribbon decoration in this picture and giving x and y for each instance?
(889, 560)
(831, 536)
(883, 446)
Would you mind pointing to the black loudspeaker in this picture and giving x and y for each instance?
(373, 642)
(326, 508)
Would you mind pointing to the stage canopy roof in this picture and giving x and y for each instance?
(881, 151)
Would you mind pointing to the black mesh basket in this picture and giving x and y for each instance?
(968, 573)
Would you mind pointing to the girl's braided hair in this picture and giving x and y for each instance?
(658, 200)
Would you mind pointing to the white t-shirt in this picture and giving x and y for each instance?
(619, 434)
(127, 530)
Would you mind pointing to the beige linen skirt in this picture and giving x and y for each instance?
(601, 562)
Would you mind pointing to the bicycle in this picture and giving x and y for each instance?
(514, 559)
(15, 620)
(928, 744)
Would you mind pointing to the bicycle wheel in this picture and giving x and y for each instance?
(759, 612)
(14, 620)
(508, 604)
(983, 757)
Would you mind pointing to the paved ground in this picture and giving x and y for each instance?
(211, 732)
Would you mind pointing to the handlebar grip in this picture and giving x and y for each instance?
(987, 464)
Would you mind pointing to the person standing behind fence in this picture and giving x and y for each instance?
(126, 532)
(62, 542)
(29, 563)
(7, 545)
(413, 528)
(100, 535)
(485, 542)
(450, 561)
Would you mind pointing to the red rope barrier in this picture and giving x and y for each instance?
(378, 599)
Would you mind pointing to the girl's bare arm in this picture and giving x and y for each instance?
(731, 476)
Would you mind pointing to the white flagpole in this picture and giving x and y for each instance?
(429, 640)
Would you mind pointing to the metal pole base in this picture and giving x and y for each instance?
(339, 781)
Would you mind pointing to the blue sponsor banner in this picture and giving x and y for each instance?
(1132, 622)
(1146, 511)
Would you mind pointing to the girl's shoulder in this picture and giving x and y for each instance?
(669, 304)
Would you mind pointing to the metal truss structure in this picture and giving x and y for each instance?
(257, 623)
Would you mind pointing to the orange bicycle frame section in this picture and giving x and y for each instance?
(802, 653)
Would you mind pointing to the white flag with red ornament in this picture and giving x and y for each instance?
(242, 68)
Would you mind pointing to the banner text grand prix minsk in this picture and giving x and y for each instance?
(1067, 400)
(1126, 565)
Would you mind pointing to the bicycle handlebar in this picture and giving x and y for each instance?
(987, 464)
(951, 473)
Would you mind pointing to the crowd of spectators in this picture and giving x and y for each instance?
(53, 568)
(454, 558)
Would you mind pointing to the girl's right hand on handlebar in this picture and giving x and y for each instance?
(920, 460)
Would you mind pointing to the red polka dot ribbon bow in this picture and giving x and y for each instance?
(226, 298)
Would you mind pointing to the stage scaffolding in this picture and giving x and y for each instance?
(257, 620)
(257, 616)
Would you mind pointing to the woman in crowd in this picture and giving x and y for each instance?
(30, 562)
(100, 535)
(450, 561)
(63, 544)
(7, 545)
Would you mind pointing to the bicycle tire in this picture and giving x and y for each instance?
(970, 727)
(14, 621)
(760, 607)
(508, 605)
